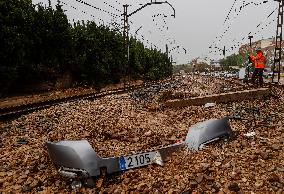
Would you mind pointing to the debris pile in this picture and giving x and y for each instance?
(183, 87)
(120, 124)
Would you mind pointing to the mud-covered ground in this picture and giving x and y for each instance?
(123, 124)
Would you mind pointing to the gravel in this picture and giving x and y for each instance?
(124, 124)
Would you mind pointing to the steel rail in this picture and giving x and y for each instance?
(11, 112)
(18, 110)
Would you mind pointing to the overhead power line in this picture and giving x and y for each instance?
(118, 2)
(237, 12)
(105, 11)
(227, 17)
(111, 6)
(259, 27)
(75, 8)
(113, 23)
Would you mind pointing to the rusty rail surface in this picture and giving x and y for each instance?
(16, 111)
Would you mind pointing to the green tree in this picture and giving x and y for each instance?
(38, 44)
(232, 60)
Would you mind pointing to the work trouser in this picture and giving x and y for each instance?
(258, 72)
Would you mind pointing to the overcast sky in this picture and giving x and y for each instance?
(195, 27)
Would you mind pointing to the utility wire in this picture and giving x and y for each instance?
(165, 27)
(85, 3)
(219, 38)
(112, 6)
(103, 22)
(259, 25)
(75, 8)
(237, 12)
(118, 2)
(227, 17)
(238, 44)
(156, 23)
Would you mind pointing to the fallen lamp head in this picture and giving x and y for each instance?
(79, 159)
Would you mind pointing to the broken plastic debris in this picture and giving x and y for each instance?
(78, 158)
(22, 141)
(158, 159)
(208, 131)
(250, 134)
(76, 185)
(207, 105)
(212, 140)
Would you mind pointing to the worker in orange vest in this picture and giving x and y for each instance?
(259, 65)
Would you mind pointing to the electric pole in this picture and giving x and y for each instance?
(126, 29)
(250, 37)
(126, 40)
(224, 51)
(276, 67)
(167, 50)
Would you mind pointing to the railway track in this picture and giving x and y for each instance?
(16, 111)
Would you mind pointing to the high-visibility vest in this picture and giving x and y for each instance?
(258, 61)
